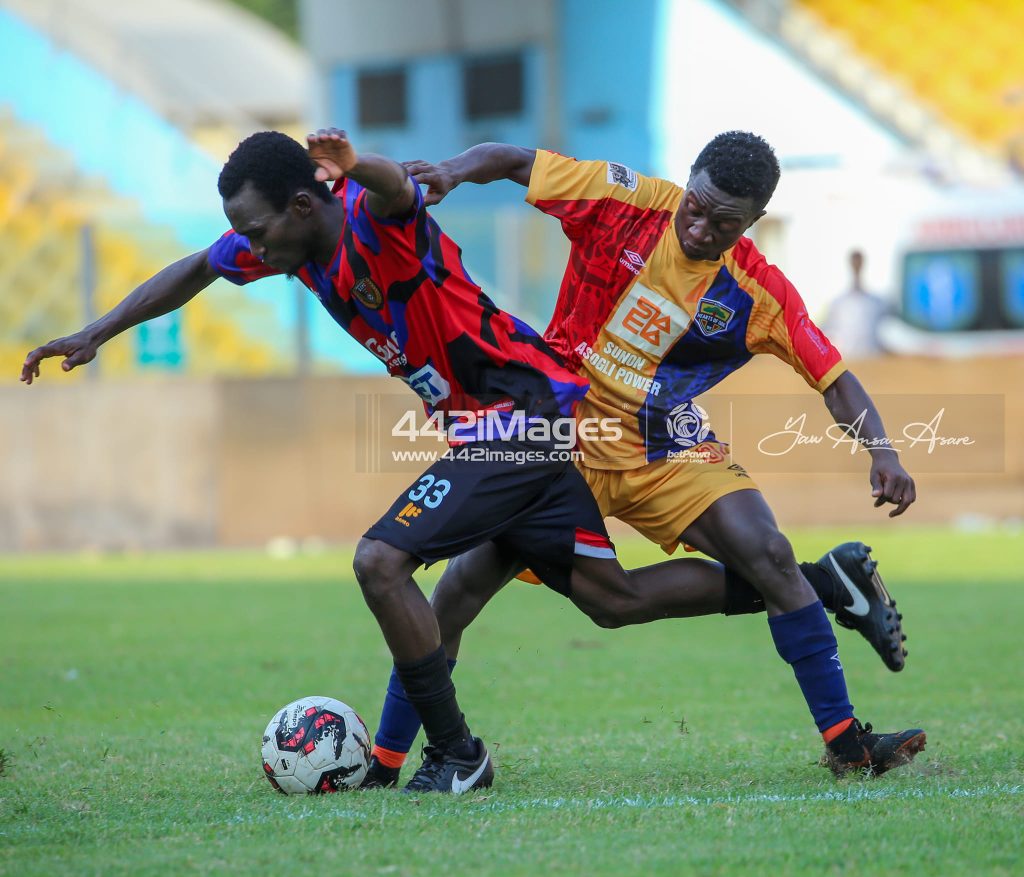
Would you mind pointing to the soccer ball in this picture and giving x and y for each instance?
(314, 745)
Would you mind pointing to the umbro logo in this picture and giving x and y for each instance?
(634, 262)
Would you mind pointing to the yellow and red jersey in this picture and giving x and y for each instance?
(650, 328)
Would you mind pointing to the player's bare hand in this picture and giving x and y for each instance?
(891, 483)
(77, 349)
(438, 180)
(334, 155)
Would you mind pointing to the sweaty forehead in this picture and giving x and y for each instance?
(711, 198)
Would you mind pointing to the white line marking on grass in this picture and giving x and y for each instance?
(630, 802)
(846, 795)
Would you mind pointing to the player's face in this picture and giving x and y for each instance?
(709, 221)
(281, 239)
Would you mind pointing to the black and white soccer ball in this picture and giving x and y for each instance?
(315, 745)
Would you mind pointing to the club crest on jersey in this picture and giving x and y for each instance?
(368, 293)
(712, 316)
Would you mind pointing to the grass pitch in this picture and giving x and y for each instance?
(135, 689)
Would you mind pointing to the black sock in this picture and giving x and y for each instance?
(428, 685)
(824, 585)
(741, 597)
(847, 744)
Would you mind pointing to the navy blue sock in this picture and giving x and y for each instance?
(804, 639)
(399, 721)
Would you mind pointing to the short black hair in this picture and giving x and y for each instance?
(275, 164)
(741, 164)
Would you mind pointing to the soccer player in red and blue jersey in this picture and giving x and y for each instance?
(392, 280)
(662, 298)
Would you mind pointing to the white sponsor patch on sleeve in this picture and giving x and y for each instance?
(620, 175)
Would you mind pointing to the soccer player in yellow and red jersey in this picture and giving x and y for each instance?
(662, 298)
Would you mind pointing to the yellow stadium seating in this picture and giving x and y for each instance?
(44, 209)
(961, 58)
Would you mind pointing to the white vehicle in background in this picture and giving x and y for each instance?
(960, 275)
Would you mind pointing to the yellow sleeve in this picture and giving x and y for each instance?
(559, 178)
(576, 191)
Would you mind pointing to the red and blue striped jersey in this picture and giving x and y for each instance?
(398, 286)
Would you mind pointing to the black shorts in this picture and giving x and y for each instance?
(538, 509)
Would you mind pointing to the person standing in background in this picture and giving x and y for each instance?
(854, 317)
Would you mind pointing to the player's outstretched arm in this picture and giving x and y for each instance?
(851, 407)
(164, 292)
(389, 191)
(480, 164)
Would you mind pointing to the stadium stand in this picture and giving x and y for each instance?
(943, 76)
(54, 222)
(962, 59)
(208, 68)
(112, 148)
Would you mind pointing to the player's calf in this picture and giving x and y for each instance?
(682, 588)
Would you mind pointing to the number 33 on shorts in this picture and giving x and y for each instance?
(437, 488)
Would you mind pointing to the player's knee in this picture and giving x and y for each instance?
(779, 552)
(601, 614)
(609, 609)
(773, 569)
(773, 554)
(375, 565)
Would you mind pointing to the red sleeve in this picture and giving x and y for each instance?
(779, 323)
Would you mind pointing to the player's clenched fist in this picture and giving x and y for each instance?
(334, 155)
(78, 350)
